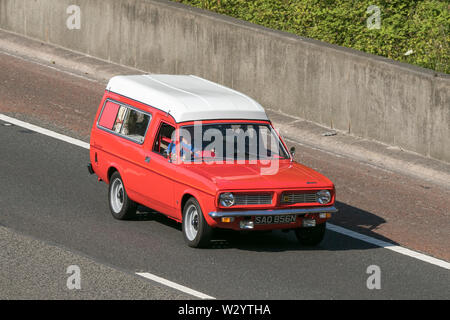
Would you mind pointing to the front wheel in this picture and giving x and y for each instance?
(196, 231)
(311, 236)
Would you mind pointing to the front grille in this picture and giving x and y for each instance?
(242, 199)
(292, 198)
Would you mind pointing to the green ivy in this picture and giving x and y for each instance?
(421, 26)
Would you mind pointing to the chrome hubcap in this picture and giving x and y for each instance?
(192, 222)
(117, 195)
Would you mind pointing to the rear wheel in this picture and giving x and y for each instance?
(311, 236)
(196, 231)
(121, 206)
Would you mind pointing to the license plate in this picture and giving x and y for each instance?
(289, 218)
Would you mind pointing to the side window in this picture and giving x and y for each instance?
(119, 119)
(124, 121)
(135, 125)
(163, 139)
(108, 116)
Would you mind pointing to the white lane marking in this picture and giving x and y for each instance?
(174, 285)
(380, 243)
(389, 246)
(43, 131)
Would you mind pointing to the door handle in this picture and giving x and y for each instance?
(147, 159)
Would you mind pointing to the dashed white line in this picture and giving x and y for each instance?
(168, 283)
(174, 285)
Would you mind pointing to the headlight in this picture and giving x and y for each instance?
(226, 199)
(323, 196)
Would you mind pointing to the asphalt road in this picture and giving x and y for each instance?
(34, 269)
(46, 192)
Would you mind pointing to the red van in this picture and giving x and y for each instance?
(204, 155)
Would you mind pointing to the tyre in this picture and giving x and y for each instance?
(122, 207)
(196, 231)
(311, 236)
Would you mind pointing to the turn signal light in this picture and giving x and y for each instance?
(227, 219)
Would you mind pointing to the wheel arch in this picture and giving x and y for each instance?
(185, 199)
(202, 201)
(110, 172)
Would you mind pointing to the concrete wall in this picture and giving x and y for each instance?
(371, 96)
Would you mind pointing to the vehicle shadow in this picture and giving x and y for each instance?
(148, 214)
(348, 217)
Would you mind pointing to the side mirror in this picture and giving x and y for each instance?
(292, 151)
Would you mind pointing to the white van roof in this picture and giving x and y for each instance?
(187, 97)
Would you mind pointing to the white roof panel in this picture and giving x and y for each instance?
(187, 97)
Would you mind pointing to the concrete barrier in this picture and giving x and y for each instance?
(345, 89)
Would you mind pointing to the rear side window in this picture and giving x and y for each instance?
(135, 125)
(124, 121)
(109, 114)
(119, 119)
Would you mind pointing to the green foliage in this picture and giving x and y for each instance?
(421, 26)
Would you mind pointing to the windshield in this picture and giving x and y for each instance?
(229, 142)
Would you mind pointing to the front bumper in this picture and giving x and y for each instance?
(297, 211)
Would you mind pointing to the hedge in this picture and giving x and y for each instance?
(415, 32)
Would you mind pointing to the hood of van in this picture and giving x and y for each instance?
(277, 175)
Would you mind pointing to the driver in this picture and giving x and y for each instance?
(186, 149)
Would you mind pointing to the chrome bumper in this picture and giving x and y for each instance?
(299, 211)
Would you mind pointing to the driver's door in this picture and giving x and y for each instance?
(158, 182)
